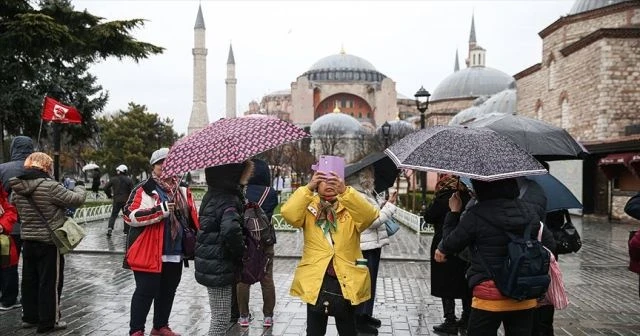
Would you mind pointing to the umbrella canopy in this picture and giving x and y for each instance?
(90, 166)
(386, 171)
(540, 139)
(477, 153)
(558, 195)
(226, 141)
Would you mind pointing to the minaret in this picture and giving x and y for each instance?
(477, 55)
(456, 65)
(199, 116)
(231, 84)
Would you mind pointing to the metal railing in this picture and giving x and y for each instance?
(413, 221)
(280, 224)
(89, 214)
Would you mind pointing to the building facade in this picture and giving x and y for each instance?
(588, 83)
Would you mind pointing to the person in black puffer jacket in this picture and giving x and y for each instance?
(220, 244)
(258, 191)
(483, 226)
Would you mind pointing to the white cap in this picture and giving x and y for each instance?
(158, 155)
(122, 168)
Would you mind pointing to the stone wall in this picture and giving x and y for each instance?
(571, 32)
(441, 112)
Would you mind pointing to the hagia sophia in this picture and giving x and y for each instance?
(586, 82)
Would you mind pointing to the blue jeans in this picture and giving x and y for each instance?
(373, 263)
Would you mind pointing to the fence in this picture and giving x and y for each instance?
(413, 221)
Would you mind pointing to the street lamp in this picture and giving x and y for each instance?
(386, 130)
(57, 93)
(422, 103)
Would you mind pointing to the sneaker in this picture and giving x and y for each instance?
(60, 325)
(268, 321)
(138, 333)
(244, 321)
(27, 325)
(448, 327)
(13, 306)
(109, 233)
(164, 331)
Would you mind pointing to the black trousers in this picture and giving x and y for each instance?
(42, 281)
(115, 211)
(543, 321)
(449, 308)
(486, 323)
(317, 323)
(156, 288)
(373, 263)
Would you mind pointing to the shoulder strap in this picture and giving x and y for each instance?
(35, 207)
(265, 193)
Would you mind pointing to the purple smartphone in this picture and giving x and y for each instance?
(328, 163)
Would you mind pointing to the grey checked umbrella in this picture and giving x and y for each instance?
(540, 139)
(477, 153)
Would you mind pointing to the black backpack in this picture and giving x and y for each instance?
(525, 272)
(256, 231)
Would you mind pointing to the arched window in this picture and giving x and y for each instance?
(565, 113)
(474, 60)
(552, 74)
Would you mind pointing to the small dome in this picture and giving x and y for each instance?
(586, 5)
(285, 92)
(472, 82)
(343, 67)
(503, 102)
(335, 123)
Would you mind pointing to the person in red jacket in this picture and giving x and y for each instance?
(9, 257)
(632, 208)
(158, 210)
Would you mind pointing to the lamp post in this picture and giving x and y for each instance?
(57, 93)
(386, 130)
(422, 103)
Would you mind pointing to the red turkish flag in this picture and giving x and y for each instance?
(54, 111)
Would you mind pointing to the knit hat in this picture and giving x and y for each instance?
(158, 155)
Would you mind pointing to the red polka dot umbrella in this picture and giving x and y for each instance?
(226, 141)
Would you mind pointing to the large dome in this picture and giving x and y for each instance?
(344, 67)
(335, 123)
(586, 5)
(472, 82)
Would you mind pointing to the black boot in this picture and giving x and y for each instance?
(449, 326)
(372, 321)
(363, 327)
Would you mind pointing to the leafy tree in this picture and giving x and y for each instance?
(129, 138)
(49, 45)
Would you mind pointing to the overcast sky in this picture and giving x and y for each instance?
(274, 42)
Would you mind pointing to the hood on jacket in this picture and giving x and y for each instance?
(229, 176)
(261, 174)
(21, 147)
(500, 189)
(25, 184)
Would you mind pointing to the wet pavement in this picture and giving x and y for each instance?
(97, 293)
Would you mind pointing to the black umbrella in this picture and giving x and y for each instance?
(540, 139)
(386, 171)
(478, 153)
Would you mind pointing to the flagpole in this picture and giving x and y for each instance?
(39, 133)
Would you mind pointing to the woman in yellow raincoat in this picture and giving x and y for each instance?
(332, 221)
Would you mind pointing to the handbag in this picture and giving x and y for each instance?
(67, 237)
(5, 250)
(330, 300)
(392, 227)
(567, 238)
